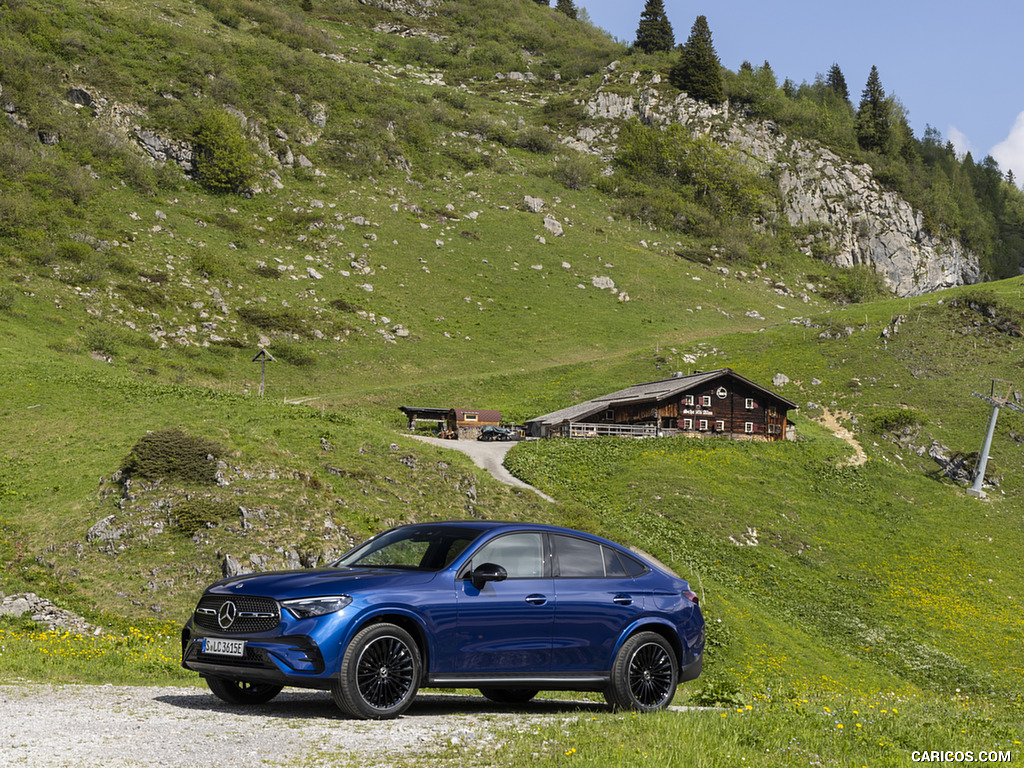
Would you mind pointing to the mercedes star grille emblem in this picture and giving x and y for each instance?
(227, 614)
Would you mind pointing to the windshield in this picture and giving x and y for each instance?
(413, 547)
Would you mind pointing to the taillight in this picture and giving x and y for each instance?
(690, 595)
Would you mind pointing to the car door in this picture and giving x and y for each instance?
(504, 627)
(596, 601)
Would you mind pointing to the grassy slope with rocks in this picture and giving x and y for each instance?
(133, 300)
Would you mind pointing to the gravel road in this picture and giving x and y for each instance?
(86, 726)
(486, 455)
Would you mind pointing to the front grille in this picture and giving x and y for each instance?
(251, 614)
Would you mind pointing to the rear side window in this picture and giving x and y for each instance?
(612, 565)
(583, 559)
(633, 566)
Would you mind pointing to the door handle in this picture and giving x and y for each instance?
(537, 599)
(623, 599)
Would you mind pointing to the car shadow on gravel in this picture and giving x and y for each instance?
(317, 704)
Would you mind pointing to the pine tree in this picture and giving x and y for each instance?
(654, 33)
(1010, 178)
(874, 117)
(567, 7)
(698, 71)
(837, 83)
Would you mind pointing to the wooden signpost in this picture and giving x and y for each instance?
(262, 357)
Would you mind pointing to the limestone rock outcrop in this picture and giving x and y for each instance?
(843, 214)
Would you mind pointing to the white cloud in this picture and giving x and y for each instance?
(1009, 153)
(960, 142)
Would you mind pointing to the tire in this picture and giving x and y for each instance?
(380, 673)
(645, 674)
(241, 692)
(509, 695)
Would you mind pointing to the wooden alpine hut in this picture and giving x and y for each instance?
(718, 403)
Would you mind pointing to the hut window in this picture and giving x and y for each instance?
(688, 425)
(609, 415)
(720, 426)
(689, 399)
(749, 427)
(705, 400)
(703, 425)
(750, 403)
(469, 417)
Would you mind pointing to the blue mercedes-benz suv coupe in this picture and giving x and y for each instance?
(509, 608)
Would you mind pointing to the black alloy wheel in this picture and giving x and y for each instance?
(380, 673)
(644, 675)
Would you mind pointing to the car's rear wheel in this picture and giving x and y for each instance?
(644, 675)
(380, 673)
(509, 695)
(241, 692)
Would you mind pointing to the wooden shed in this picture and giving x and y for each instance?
(416, 414)
(467, 423)
(712, 403)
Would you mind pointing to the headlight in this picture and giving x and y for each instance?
(308, 607)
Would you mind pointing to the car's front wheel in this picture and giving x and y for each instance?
(241, 692)
(380, 673)
(644, 675)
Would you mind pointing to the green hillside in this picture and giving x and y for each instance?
(347, 188)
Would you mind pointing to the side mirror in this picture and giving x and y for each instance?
(486, 572)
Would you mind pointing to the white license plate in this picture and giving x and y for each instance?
(223, 647)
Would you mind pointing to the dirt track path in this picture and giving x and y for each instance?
(486, 455)
(831, 421)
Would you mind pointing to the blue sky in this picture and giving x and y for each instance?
(955, 66)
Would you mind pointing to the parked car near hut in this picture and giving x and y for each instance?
(509, 608)
(491, 432)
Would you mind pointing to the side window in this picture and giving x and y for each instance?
(612, 565)
(579, 558)
(633, 567)
(521, 554)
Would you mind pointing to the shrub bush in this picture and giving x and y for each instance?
(195, 514)
(7, 297)
(895, 420)
(856, 285)
(293, 353)
(172, 453)
(225, 158)
(270, 319)
(575, 172)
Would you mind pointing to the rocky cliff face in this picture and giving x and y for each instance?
(848, 218)
(859, 222)
(408, 7)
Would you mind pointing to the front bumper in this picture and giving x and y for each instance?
(293, 660)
